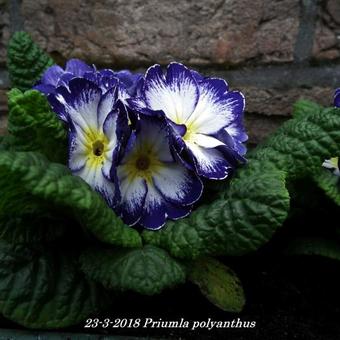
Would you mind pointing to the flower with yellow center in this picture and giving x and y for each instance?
(153, 186)
(205, 116)
(97, 125)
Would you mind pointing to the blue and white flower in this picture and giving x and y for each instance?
(97, 126)
(337, 98)
(153, 186)
(206, 118)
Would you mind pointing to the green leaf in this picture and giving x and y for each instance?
(300, 146)
(25, 61)
(148, 270)
(218, 283)
(315, 246)
(257, 202)
(34, 126)
(32, 224)
(53, 187)
(44, 288)
(329, 183)
(305, 107)
(7, 142)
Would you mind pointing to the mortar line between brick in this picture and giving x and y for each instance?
(303, 49)
(266, 77)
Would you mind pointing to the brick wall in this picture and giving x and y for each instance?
(275, 51)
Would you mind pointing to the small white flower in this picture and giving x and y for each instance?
(332, 164)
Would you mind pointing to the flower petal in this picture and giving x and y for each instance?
(237, 131)
(216, 107)
(95, 178)
(106, 105)
(209, 163)
(80, 105)
(205, 141)
(337, 98)
(105, 79)
(77, 150)
(156, 135)
(233, 144)
(177, 95)
(58, 103)
(133, 193)
(175, 212)
(154, 212)
(177, 184)
(131, 81)
(157, 210)
(52, 75)
(77, 67)
(197, 76)
(45, 89)
(65, 79)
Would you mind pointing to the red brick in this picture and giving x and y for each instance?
(147, 31)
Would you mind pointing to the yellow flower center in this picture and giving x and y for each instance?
(96, 144)
(98, 148)
(142, 162)
(191, 131)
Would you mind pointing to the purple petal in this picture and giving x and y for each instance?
(131, 81)
(79, 103)
(56, 101)
(65, 79)
(210, 163)
(178, 185)
(133, 198)
(175, 212)
(155, 210)
(45, 89)
(337, 98)
(77, 67)
(179, 129)
(197, 76)
(52, 75)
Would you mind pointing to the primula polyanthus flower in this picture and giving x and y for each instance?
(97, 126)
(337, 98)
(206, 118)
(153, 186)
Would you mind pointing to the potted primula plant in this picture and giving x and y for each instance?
(113, 181)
